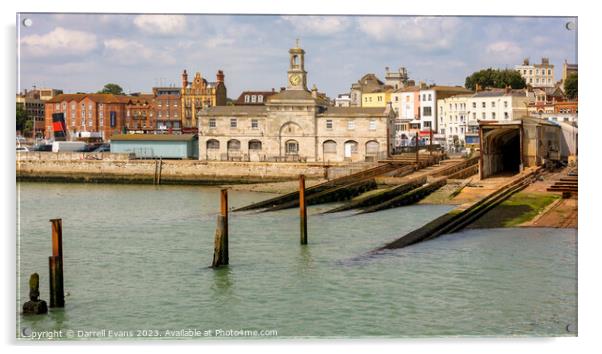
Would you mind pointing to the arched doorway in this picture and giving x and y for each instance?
(289, 135)
(329, 149)
(212, 152)
(350, 148)
(234, 149)
(372, 147)
(255, 148)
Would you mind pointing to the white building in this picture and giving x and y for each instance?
(458, 116)
(428, 107)
(537, 75)
(343, 100)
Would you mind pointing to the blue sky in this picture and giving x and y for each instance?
(82, 52)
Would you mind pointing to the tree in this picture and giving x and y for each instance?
(495, 78)
(571, 86)
(24, 123)
(112, 88)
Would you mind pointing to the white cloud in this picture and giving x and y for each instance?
(318, 25)
(161, 24)
(128, 52)
(59, 41)
(504, 52)
(423, 32)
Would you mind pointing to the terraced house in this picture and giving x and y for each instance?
(295, 124)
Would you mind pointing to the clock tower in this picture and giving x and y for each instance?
(297, 76)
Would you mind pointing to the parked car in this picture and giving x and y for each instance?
(103, 148)
(22, 149)
(89, 147)
(62, 146)
(42, 147)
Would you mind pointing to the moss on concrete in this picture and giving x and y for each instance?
(514, 211)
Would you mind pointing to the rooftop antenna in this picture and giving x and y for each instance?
(297, 42)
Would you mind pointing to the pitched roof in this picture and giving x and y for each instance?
(449, 88)
(292, 95)
(241, 99)
(96, 97)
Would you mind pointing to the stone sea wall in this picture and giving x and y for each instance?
(77, 167)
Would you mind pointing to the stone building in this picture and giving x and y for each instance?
(537, 75)
(295, 124)
(199, 94)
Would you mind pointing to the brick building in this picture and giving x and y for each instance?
(140, 113)
(96, 115)
(168, 114)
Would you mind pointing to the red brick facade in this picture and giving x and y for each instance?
(95, 113)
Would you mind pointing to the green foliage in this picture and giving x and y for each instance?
(571, 86)
(24, 123)
(112, 88)
(495, 78)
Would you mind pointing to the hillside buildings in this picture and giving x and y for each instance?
(296, 124)
(537, 75)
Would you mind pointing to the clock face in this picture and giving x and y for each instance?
(295, 79)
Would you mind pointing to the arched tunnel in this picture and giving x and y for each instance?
(501, 151)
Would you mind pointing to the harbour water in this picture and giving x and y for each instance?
(136, 258)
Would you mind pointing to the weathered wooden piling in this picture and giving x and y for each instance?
(220, 251)
(302, 210)
(160, 170)
(34, 306)
(55, 265)
(417, 157)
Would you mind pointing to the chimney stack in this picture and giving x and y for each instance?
(220, 76)
(314, 91)
(477, 87)
(184, 79)
(508, 89)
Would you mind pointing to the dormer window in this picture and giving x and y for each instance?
(247, 99)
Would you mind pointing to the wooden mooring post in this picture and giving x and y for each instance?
(220, 250)
(302, 210)
(417, 157)
(55, 265)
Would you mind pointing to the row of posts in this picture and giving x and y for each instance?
(220, 249)
(55, 262)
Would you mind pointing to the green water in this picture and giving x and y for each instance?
(136, 258)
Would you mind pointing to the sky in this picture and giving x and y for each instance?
(83, 52)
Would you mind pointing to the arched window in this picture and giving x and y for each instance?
(233, 144)
(330, 147)
(212, 144)
(372, 147)
(254, 145)
(292, 147)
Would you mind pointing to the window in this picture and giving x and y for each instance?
(379, 98)
(372, 125)
(212, 144)
(212, 123)
(351, 125)
(493, 115)
(233, 144)
(483, 115)
(292, 147)
(259, 98)
(329, 124)
(483, 104)
(506, 115)
(430, 97)
(474, 105)
(330, 147)
(492, 104)
(505, 104)
(255, 123)
(233, 123)
(424, 97)
(253, 99)
(427, 124)
(254, 145)
(427, 111)
(57, 107)
(474, 116)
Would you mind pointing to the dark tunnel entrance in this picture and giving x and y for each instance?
(501, 151)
